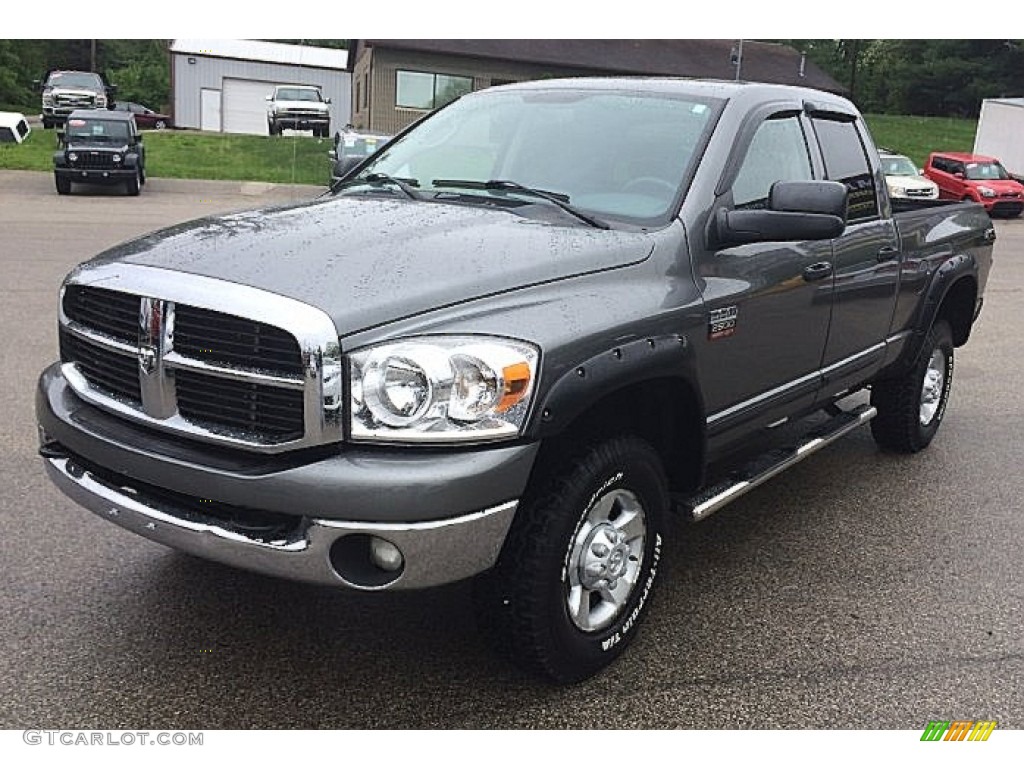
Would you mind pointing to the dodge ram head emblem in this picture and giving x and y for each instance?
(147, 359)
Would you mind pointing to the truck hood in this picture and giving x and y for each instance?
(368, 261)
(317, 106)
(910, 182)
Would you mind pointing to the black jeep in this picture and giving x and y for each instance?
(100, 147)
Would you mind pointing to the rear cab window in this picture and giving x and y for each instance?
(846, 161)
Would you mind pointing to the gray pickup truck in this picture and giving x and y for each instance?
(510, 343)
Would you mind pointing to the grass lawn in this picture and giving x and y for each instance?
(915, 137)
(296, 159)
(301, 159)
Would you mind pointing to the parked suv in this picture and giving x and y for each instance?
(64, 92)
(100, 147)
(904, 179)
(301, 107)
(350, 149)
(984, 180)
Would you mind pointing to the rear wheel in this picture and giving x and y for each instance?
(574, 577)
(911, 407)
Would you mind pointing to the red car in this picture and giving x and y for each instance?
(984, 180)
(144, 116)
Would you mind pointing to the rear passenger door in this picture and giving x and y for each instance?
(865, 259)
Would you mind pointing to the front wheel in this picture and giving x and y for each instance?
(911, 407)
(133, 185)
(63, 185)
(575, 575)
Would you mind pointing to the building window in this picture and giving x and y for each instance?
(423, 90)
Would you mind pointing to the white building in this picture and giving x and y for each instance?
(222, 85)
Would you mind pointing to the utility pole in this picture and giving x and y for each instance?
(92, 55)
(737, 58)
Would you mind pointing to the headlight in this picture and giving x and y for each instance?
(899, 191)
(441, 389)
(101, 101)
(73, 157)
(987, 191)
(47, 99)
(116, 158)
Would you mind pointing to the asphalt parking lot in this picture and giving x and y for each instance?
(858, 590)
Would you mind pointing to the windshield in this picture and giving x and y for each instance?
(621, 154)
(987, 171)
(75, 80)
(898, 166)
(98, 130)
(298, 94)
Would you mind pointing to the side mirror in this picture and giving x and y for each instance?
(797, 210)
(269, 98)
(337, 139)
(327, 100)
(920, 171)
(959, 175)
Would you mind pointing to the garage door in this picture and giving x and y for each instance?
(244, 106)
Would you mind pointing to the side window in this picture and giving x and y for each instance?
(846, 161)
(778, 152)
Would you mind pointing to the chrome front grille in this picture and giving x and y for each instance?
(229, 340)
(74, 101)
(177, 364)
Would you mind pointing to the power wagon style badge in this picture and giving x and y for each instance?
(722, 322)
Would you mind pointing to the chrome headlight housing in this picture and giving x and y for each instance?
(899, 191)
(986, 192)
(73, 157)
(441, 389)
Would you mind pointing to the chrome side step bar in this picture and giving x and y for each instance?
(768, 466)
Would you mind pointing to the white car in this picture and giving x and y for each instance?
(13, 127)
(904, 179)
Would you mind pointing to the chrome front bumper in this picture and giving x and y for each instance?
(434, 552)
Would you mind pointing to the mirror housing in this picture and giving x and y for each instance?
(797, 210)
(327, 100)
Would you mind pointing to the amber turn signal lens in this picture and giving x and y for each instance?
(517, 383)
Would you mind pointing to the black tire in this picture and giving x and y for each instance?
(63, 185)
(533, 603)
(160, 125)
(47, 124)
(911, 407)
(142, 176)
(133, 185)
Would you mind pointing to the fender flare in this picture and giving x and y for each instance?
(962, 266)
(582, 386)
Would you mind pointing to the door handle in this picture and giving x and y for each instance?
(888, 253)
(817, 271)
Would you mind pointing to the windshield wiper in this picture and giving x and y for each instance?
(372, 179)
(562, 201)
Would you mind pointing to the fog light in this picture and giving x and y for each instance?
(385, 555)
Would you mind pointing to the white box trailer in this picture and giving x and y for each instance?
(1000, 133)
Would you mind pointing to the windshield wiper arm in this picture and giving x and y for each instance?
(562, 201)
(406, 185)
